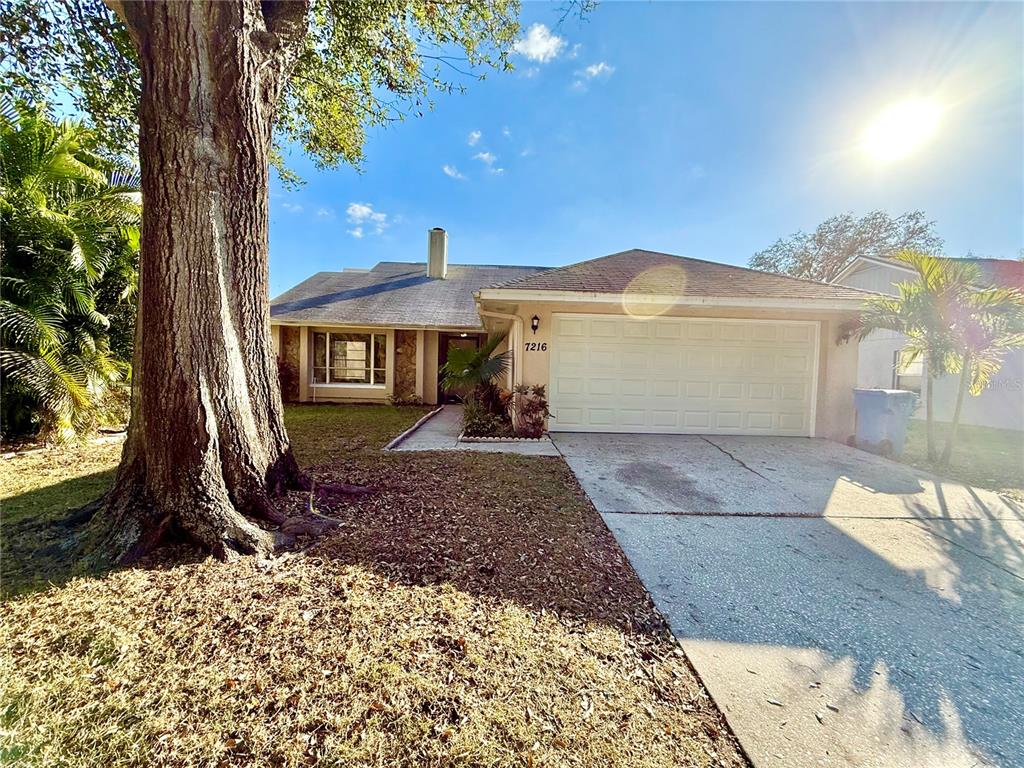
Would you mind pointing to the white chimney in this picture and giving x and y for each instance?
(437, 253)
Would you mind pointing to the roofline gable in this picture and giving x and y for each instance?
(564, 267)
(855, 263)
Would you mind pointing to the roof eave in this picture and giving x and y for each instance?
(594, 297)
(325, 323)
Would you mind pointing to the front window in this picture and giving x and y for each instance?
(906, 376)
(350, 358)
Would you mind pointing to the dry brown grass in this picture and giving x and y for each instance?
(474, 611)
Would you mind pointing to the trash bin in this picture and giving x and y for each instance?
(882, 416)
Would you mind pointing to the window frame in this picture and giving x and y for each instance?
(897, 374)
(378, 376)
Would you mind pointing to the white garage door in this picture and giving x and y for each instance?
(683, 375)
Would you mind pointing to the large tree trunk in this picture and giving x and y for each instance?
(206, 450)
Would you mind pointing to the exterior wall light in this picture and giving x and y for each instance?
(535, 323)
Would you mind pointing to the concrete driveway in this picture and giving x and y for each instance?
(843, 610)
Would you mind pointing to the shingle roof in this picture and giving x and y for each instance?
(393, 294)
(649, 272)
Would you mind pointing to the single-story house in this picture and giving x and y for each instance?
(637, 341)
(1001, 404)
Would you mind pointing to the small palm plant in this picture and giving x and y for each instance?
(70, 239)
(476, 370)
(954, 324)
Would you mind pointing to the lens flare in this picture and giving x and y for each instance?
(655, 283)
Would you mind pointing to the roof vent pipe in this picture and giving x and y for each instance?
(437, 253)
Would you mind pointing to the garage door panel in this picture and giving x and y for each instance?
(629, 417)
(565, 385)
(701, 419)
(634, 388)
(566, 327)
(682, 375)
(604, 329)
(602, 386)
(665, 388)
(700, 331)
(664, 330)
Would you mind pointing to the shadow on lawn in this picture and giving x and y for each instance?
(508, 527)
(40, 539)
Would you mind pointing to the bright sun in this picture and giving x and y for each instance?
(901, 129)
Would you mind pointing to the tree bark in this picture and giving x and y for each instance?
(206, 450)
(965, 380)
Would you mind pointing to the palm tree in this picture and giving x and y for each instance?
(70, 237)
(953, 323)
(476, 370)
(987, 324)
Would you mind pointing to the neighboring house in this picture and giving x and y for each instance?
(636, 341)
(1001, 404)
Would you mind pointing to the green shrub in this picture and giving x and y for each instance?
(529, 405)
(478, 421)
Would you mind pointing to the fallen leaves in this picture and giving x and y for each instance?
(458, 616)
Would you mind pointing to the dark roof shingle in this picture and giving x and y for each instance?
(649, 272)
(392, 294)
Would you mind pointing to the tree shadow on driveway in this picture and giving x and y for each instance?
(912, 627)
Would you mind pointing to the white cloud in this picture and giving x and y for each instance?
(600, 69)
(325, 213)
(697, 172)
(362, 216)
(487, 158)
(597, 70)
(539, 44)
(526, 152)
(496, 171)
(506, 132)
(531, 72)
(575, 51)
(292, 207)
(473, 138)
(452, 171)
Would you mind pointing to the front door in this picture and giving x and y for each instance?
(445, 342)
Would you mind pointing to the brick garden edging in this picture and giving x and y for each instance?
(463, 438)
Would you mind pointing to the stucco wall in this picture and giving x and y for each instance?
(837, 363)
(430, 367)
(1000, 405)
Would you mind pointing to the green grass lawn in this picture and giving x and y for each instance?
(472, 610)
(982, 456)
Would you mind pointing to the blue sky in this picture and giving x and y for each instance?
(702, 129)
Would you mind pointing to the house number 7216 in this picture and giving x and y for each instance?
(536, 346)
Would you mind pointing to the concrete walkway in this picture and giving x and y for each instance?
(842, 609)
(441, 433)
